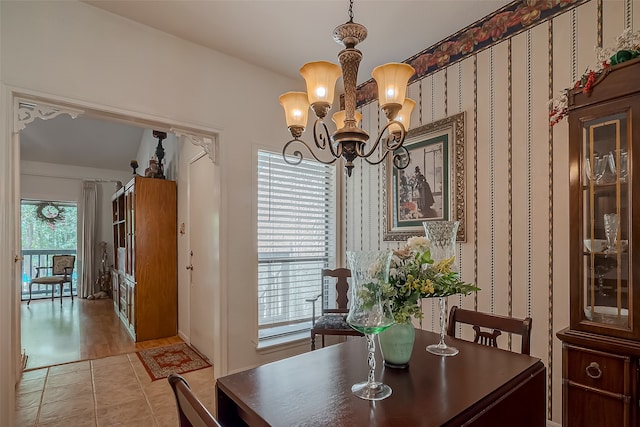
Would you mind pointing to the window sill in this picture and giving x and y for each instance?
(271, 345)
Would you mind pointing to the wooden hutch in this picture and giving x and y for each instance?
(601, 346)
(145, 291)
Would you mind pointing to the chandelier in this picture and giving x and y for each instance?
(349, 141)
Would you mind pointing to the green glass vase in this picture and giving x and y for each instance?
(396, 344)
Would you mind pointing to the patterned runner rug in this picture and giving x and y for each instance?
(178, 358)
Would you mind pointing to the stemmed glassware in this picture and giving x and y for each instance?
(596, 173)
(368, 313)
(622, 172)
(442, 238)
(611, 231)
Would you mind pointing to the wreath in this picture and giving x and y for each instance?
(50, 213)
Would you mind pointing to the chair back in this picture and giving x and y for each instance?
(495, 322)
(342, 290)
(191, 412)
(63, 265)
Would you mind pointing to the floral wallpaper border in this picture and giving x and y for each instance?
(506, 22)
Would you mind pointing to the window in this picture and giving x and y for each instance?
(48, 228)
(296, 239)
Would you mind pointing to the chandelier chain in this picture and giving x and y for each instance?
(350, 10)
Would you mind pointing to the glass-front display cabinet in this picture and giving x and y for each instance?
(605, 223)
(601, 346)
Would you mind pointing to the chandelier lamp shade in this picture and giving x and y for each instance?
(349, 141)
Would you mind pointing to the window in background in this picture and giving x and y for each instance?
(296, 240)
(48, 228)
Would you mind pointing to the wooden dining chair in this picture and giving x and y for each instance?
(496, 323)
(61, 273)
(191, 412)
(332, 321)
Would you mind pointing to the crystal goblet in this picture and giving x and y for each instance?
(621, 170)
(368, 313)
(442, 238)
(595, 173)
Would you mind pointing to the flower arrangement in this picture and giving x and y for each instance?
(627, 47)
(413, 275)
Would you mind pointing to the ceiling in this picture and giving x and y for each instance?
(84, 141)
(279, 35)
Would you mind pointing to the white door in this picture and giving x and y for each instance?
(204, 246)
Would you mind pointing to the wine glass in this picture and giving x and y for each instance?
(611, 231)
(622, 172)
(368, 313)
(596, 173)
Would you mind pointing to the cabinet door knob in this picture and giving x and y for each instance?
(594, 371)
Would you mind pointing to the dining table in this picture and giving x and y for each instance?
(480, 386)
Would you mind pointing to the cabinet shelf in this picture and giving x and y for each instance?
(605, 188)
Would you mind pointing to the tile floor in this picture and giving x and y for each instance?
(114, 391)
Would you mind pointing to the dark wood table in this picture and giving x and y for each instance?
(481, 386)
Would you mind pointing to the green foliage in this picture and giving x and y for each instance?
(38, 234)
(414, 275)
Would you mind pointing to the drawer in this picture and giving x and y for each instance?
(603, 371)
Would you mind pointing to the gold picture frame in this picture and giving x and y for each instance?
(432, 186)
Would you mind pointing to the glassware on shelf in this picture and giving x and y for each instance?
(621, 170)
(611, 231)
(368, 313)
(596, 173)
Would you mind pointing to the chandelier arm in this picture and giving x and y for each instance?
(401, 158)
(391, 143)
(322, 138)
(298, 154)
(377, 162)
(321, 134)
(395, 139)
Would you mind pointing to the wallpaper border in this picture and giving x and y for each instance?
(501, 25)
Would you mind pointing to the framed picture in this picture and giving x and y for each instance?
(432, 186)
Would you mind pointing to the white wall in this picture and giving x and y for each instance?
(88, 57)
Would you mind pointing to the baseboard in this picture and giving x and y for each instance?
(552, 424)
(184, 336)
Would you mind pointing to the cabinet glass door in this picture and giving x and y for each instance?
(606, 223)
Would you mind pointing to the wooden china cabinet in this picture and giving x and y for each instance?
(145, 291)
(601, 346)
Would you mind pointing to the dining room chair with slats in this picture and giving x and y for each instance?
(191, 412)
(488, 327)
(332, 320)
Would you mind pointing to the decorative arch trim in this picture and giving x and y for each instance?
(26, 111)
(207, 142)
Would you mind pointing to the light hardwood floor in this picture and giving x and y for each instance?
(54, 333)
(83, 371)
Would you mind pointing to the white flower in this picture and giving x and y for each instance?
(418, 243)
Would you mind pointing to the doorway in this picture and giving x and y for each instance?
(14, 173)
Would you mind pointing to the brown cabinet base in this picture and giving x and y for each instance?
(599, 380)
